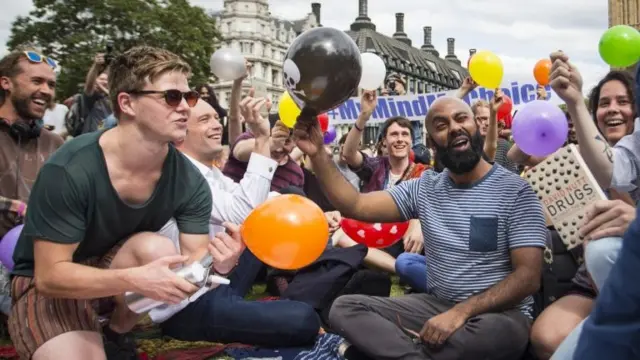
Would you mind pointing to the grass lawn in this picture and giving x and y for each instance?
(151, 342)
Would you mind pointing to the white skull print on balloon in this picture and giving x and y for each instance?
(291, 74)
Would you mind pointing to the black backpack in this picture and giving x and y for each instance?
(75, 119)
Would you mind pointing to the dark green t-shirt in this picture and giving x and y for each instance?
(73, 201)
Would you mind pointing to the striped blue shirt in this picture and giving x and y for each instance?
(470, 229)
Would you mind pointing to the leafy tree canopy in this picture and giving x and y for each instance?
(73, 31)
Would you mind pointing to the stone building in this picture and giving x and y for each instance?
(248, 26)
(625, 12)
(423, 68)
(263, 39)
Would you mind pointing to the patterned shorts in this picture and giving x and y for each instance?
(35, 318)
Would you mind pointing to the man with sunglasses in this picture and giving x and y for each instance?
(27, 86)
(93, 213)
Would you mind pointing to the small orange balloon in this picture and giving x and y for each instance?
(286, 232)
(541, 71)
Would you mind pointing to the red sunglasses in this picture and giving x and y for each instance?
(173, 97)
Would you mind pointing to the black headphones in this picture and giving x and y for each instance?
(20, 130)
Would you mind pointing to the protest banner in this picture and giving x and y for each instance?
(415, 106)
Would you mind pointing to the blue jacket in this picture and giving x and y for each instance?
(613, 329)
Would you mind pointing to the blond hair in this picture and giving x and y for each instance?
(132, 70)
(479, 104)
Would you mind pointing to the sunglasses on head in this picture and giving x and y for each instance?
(173, 97)
(34, 57)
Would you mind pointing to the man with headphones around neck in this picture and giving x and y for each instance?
(27, 85)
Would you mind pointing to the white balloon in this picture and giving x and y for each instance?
(373, 71)
(228, 64)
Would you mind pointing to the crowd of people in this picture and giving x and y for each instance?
(144, 183)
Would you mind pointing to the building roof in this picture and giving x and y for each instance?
(402, 57)
(296, 25)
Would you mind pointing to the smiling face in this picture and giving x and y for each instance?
(102, 81)
(204, 93)
(31, 91)
(397, 140)
(204, 133)
(615, 113)
(454, 134)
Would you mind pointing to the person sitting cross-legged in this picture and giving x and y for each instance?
(222, 314)
(484, 249)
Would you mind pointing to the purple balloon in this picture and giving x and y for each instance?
(330, 135)
(540, 128)
(7, 245)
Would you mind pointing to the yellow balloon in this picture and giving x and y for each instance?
(288, 110)
(486, 69)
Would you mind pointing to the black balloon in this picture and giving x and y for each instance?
(322, 69)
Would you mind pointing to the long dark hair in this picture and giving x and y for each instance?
(213, 100)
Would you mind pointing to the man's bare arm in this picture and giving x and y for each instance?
(377, 206)
(194, 246)
(508, 293)
(351, 149)
(491, 140)
(56, 274)
(92, 75)
(519, 157)
(235, 125)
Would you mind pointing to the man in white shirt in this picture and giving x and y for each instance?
(222, 314)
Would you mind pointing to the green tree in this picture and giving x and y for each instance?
(73, 31)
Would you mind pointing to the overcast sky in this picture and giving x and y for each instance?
(519, 31)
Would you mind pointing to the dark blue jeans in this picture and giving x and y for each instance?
(222, 315)
(412, 270)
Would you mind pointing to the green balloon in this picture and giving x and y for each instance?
(620, 46)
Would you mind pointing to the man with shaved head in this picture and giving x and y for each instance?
(484, 233)
(222, 314)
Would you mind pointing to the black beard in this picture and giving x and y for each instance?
(21, 105)
(460, 162)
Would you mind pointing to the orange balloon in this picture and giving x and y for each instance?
(541, 71)
(286, 232)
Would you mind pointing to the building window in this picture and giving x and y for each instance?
(420, 87)
(264, 73)
(246, 47)
(275, 77)
(412, 86)
(432, 66)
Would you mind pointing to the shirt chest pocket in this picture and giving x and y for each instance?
(483, 233)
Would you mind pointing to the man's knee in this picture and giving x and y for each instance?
(406, 260)
(494, 335)
(305, 323)
(341, 307)
(85, 345)
(600, 255)
(143, 248)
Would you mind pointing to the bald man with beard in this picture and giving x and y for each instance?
(484, 233)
